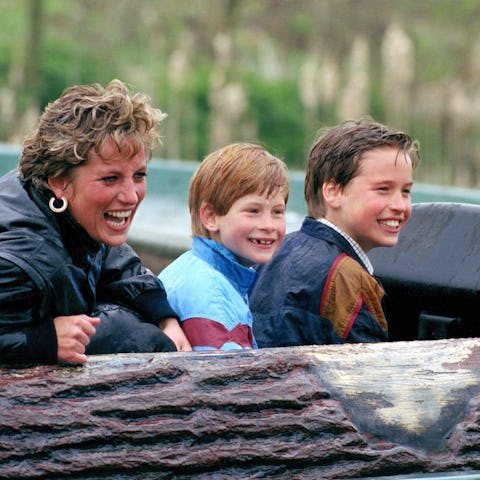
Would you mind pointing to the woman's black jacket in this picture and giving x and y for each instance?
(50, 266)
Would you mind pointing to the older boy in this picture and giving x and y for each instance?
(237, 204)
(319, 287)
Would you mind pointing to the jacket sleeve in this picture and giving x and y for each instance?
(352, 301)
(126, 281)
(25, 336)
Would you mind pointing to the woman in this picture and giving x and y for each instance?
(69, 284)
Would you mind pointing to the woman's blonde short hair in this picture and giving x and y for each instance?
(232, 172)
(82, 118)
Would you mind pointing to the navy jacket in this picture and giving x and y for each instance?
(315, 290)
(50, 266)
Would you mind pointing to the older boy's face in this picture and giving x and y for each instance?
(254, 227)
(376, 204)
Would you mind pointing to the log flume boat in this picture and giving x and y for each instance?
(407, 408)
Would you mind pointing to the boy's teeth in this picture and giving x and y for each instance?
(391, 223)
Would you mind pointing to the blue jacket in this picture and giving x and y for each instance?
(315, 290)
(208, 288)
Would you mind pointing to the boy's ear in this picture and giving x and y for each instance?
(208, 217)
(331, 191)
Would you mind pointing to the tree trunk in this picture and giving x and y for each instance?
(331, 411)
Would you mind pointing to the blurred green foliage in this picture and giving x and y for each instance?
(279, 115)
(86, 41)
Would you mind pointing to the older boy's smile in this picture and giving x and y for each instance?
(390, 223)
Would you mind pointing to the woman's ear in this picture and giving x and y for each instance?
(208, 217)
(57, 186)
(331, 192)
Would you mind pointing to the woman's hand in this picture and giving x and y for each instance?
(73, 335)
(173, 330)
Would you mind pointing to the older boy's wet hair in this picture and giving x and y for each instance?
(336, 156)
(232, 172)
(82, 118)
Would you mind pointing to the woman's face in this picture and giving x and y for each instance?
(105, 192)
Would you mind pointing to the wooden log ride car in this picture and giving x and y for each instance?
(330, 411)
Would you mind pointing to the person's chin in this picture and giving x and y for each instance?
(259, 259)
(114, 240)
(389, 242)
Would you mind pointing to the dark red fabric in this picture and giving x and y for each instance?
(202, 332)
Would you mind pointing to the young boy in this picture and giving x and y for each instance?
(237, 202)
(319, 286)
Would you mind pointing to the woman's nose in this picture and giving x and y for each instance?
(129, 193)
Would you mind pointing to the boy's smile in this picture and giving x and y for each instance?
(376, 203)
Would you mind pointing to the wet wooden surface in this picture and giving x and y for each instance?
(320, 412)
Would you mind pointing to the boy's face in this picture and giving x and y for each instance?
(253, 228)
(376, 204)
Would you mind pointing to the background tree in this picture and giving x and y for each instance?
(291, 66)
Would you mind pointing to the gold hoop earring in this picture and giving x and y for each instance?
(60, 209)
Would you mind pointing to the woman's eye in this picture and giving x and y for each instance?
(110, 179)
